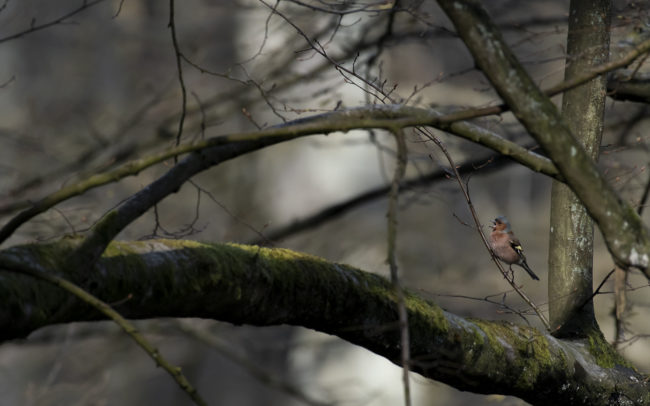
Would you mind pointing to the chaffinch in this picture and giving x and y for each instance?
(506, 246)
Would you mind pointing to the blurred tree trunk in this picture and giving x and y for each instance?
(571, 242)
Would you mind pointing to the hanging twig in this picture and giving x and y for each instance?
(400, 169)
(105, 309)
(179, 68)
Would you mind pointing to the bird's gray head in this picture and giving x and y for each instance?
(501, 220)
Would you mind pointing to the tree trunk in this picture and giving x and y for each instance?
(571, 243)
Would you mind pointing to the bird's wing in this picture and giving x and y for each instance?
(516, 245)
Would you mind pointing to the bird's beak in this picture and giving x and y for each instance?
(493, 224)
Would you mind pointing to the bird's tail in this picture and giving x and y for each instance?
(530, 271)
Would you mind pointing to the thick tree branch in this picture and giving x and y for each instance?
(261, 286)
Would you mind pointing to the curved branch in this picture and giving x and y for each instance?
(390, 117)
(215, 150)
(260, 286)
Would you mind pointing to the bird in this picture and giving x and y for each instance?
(506, 246)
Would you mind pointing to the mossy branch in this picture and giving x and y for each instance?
(261, 286)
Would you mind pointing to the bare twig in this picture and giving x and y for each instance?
(400, 170)
(262, 375)
(345, 72)
(496, 162)
(60, 20)
(600, 286)
(104, 308)
(479, 229)
(121, 154)
(637, 51)
(179, 68)
(486, 299)
(342, 8)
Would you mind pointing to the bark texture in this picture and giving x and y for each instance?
(570, 261)
(261, 286)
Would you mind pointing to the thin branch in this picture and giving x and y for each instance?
(179, 68)
(119, 9)
(175, 372)
(400, 170)
(486, 164)
(61, 20)
(620, 304)
(232, 215)
(341, 8)
(600, 286)
(345, 72)
(7, 82)
(479, 229)
(4, 6)
(449, 118)
(388, 33)
(262, 375)
(487, 299)
(120, 155)
(622, 85)
(265, 37)
(637, 51)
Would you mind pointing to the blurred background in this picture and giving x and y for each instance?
(98, 85)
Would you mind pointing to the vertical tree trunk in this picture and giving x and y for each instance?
(571, 243)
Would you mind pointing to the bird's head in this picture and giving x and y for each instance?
(500, 224)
